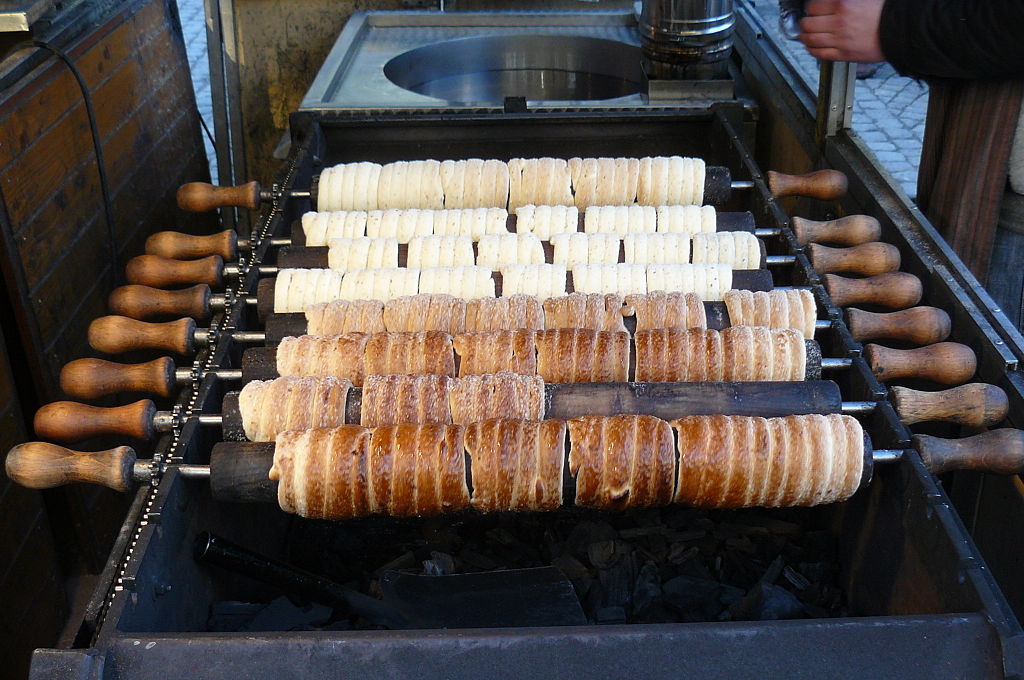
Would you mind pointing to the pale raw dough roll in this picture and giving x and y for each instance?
(773, 309)
(379, 284)
(439, 251)
(410, 184)
(656, 248)
(346, 254)
(462, 282)
(547, 220)
(474, 183)
(604, 181)
(540, 181)
(296, 289)
(709, 281)
(323, 199)
(620, 219)
(670, 180)
(321, 227)
(497, 250)
(541, 280)
(740, 249)
(269, 407)
(575, 249)
(624, 279)
(345, 316)
(686, 219)
(356, 187)
(472, 222)
(403, 225)
(768, 462)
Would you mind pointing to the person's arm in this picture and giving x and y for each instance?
(979, 39)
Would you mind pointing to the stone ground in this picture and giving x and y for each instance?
(889, 109)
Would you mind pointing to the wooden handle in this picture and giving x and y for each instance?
(976, 405)
(851, 230)
(96, 378)
(895, 290)
(917, 325)
(70, 422)
(999, 451)
(867, 259)
(203, 197)
(143, 302)
(946, 363)
(178, 246)
(116, 334)
(38, 465)
(826, 185)
(160, 272)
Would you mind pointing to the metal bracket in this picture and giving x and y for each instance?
(836, 80)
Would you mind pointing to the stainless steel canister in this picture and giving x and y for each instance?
(686, 32)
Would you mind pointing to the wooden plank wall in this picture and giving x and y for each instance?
(31, 586)
(58, 249)
(57, 268)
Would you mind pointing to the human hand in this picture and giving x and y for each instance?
(843, 30)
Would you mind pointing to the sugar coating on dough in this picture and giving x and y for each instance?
(547, 220)
(686, 219)
(345, 254)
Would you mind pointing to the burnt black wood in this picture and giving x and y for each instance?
(238, 472)
(717, 185)
(662, 400)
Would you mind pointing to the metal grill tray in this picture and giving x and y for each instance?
(926, 605)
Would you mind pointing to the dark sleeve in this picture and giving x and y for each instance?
(978, 39)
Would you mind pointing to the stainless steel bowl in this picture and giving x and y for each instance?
(486, 70)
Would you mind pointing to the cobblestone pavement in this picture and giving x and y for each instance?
(193, 25)
(889, 109)
(888, 112)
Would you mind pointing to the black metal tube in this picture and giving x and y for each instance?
(211, 549)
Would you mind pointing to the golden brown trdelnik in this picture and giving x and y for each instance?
(475, 398)
(773, 309)
(289, 403)
(395, 399)
(345, 316)
(741, 461)
(582, 355)
(659, 309)
(622, 461)
(319, 355)
(511, 312)
(516, 464)
(738, 353)
(596, 311)
(495, 351)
